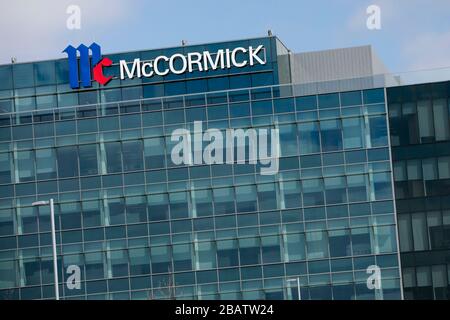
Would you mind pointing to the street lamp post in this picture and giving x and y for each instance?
(52, 222)
(298, 286)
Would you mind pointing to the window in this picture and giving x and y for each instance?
(261, 107)
(385, 241)
(239, 110)
(154, 152)
(6, 222)
(414, 169)
(131, 93)
(119, 263)
(25, 104)
(44, 73)
(317, 245)
(329, 101)
(441, 119)
(246, 198)
(357, 188)
(132, 155)
(361, 243)
(288, 140)
(249, 251)
(158, 207)
(400, 171)
(139, 261)
(43, 130)
(67, 99)
(373, 96)
(92, 213)
(113, 157)
(292, 194)
(160, 259)
(195, 114)
(5, 167)
(88, 159)
(205, 255)
(70, 215)
(382, 186)
(335, 190)
(110, 95)
(67, 162)
(173, 116)
(65, 128)
(430, 169)
(267, 196)
(420, 234)
(271, 249)
(202, 203)
(217, 112)
(25, 165)
(179, 206)
(32, 272)
(306, 103)
(425, 119)
(405, 233)
(309, 137)
(6, 75)
(8, 274)
(87, 97)
(130, 121)
(182, 257)
(116, 209)
(295, 247)
(444, 167)
(353, 133)
(339, 243)
(352, 98)
(23, 75)
(331, 135)
(87, 126)
(223, 200)
(313, 192)
(378, 131)
(227, 253)
(22, 132)
(136, 208)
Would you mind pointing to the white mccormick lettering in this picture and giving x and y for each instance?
(194, 61)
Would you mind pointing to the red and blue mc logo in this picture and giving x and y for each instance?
(87, 64)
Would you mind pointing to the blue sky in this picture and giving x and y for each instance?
(414, 35)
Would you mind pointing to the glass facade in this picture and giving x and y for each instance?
(420, 135)
(140, 227)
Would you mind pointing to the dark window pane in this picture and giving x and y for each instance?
(67, 162)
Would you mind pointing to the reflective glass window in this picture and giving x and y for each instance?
(132, 155)
(161, 259)
(295, 247)
(88, 159)
(353, 133)
(246, 198)
(5, 167)
(113, 157)
(67, 162)
(317, 244)
(227, 253)
(25, 166)
(154, 152)
(249, 251)
(331, 135)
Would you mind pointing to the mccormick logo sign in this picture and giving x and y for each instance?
(91, 63)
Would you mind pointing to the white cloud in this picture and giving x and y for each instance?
(36, 29)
